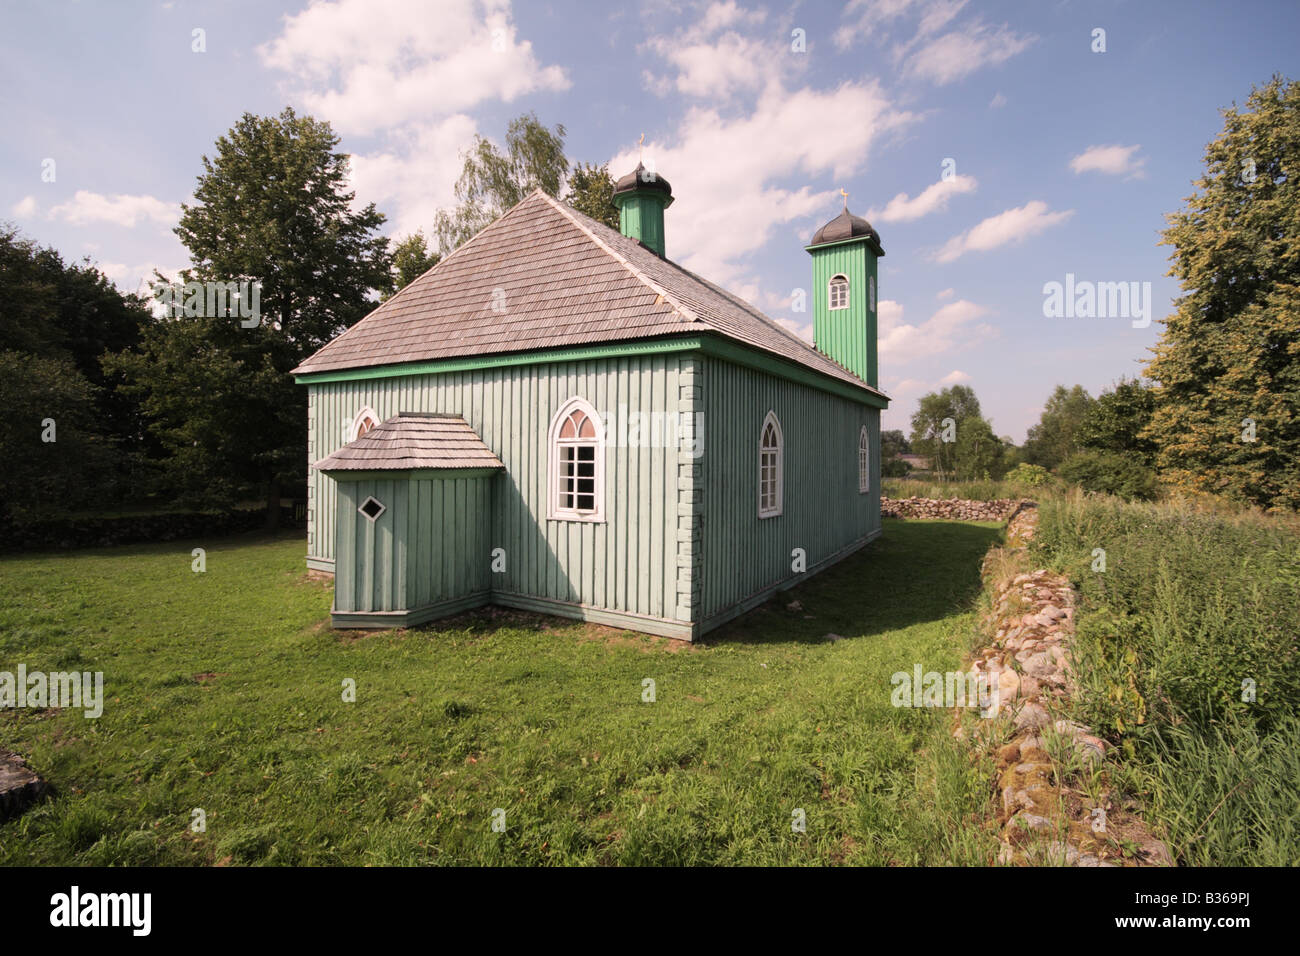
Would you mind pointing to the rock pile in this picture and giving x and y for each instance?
(953, 509)
(1055, 804)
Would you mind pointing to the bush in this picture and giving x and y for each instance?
(1110, 473)
(1031, 475)
(894, 468)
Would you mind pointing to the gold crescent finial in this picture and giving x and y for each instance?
(846, 197)
(639, 144)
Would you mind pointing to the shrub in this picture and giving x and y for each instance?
(1031, 475)
(894, 468)
(1110, 473)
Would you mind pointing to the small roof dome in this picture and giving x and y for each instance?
(634, 180)
(847, 226)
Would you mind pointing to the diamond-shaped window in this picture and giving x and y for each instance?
(372, 508)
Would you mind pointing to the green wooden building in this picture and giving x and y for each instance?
(559, 418)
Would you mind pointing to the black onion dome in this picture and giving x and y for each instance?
(846, 226)
(633, 181)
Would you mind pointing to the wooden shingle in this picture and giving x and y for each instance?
(546, 276)
(414, 440)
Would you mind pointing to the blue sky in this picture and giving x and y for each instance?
(1065, 160)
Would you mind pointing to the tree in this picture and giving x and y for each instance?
(894, 443)
(948, 428)
(491, 181)
(411, 259)
(1118, 419)
(272, 207)
(73, 314)
(1227, 366)
(1110, 473)
(53, 457)
(591, 191)
(1055, 437)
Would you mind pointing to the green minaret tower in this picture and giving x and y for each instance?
(641, 197)
(844, 254)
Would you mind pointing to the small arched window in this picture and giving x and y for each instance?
(362, 422)
(771, 452)
(577, 467)
(864, 461)
(839, 292)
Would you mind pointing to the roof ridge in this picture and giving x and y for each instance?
(684, 311)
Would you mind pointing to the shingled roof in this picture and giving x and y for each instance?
(414, 440)
(556, 279)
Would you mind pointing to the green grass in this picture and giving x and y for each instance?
(1191, 604)
(224, 692)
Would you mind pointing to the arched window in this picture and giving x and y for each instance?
(362, 422)
(839, 292)
(864, 461)
(771, 448)
(577, 465)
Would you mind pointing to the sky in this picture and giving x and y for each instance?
(997, 147)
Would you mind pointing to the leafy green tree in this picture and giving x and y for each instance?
(1118, 419)
(1055, 437)
(272, 206)
(73, 313)
(1227, 367)
(591, 191)
(1110, 473)
(411, 259)
(948, 428)
(894, 443)
(492, 181)
(48, 398)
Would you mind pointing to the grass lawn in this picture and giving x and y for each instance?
(224, 692)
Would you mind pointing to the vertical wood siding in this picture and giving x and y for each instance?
(627, 563)
(823, 510)
(846, 335)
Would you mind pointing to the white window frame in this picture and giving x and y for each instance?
(553, 442)
(355, 428)
(775, 509)
(864, 461)
(361, 508)
(830, 292)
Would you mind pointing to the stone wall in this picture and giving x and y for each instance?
(1056, 805)
(952, 509)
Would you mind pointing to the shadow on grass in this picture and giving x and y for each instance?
(915, 572)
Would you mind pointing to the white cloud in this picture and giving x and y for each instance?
(944, 294)
(368, 65)
(137, 278)
(25, 208)
(997, 102)
(957, 54)
(1111, 160)
(728, 172)
(865, 18)
(121, 209)
(952, 326)
(415, 175)
(955, 377)
(933, 198)
(720, 69)
(1013, 225)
